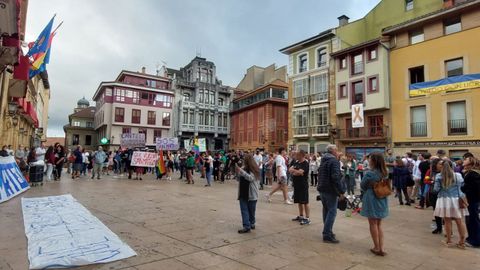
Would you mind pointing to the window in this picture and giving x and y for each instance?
(76, 139)
(119, 95)
(201, 118)
(88, 139)
(166, 119)
(319, 87)
(300, 91)
(321, 57)
(351, 132)
(357, 64)
(416, 75)
(89, 124)
(300, 122)
(342, 91)
(192, 117)
(136, 114)
(372, 54)
(119, 114)
(212, 97)
(157, 133)
(302, 63)
(220, 119)
(452, 26)
(375, 126)
(126, 130)
(200, 96)
(457, 120)
(212, 119)
(418, 126)
(152, 118)
(185, 116)
(373, 84)
(186, 97)
(225, 120)
(408, 5)
(417, 36)
(454, 67)
(220, 102)
(319, 120)
(76, 123)
(357, 92)
(342, 62)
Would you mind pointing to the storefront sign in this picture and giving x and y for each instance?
(437, 144)
(167, 144)
(132, 140)
(144, 159)
(450, 84)
(12, 181)
(358, 121)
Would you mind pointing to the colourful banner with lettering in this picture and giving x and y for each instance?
(12, 181)
(456, 83)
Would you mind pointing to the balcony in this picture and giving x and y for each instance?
(300, 132)
(300, 100)
(319, 131)
(418, 129)
(319, 96)
(457, 127)
(376, 134)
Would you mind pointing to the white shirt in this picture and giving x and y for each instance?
(280, 162)
(211, 161)
(40, 152)
(259, 159)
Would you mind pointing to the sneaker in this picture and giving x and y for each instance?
(252, 227)
(330, 240)
(288, 202)
(305, 221)
(298, 218)
(267, 197)
(242, 231)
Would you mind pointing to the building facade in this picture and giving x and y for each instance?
(435, 74)
(361, 76)
(259, 118)
(136, 102)
(311, 92)
(80, 129)
(202, 104)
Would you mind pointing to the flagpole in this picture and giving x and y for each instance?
(57, 27)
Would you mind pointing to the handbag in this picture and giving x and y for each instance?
(382, 188)
(462, 201)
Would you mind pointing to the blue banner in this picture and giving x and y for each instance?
(456, 83)
(12, 181)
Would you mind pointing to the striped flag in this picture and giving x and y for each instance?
(161, 163)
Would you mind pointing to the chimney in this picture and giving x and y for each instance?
(343, 20)
(448, 3)
(143, 70)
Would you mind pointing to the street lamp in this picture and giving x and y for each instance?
(12, 108)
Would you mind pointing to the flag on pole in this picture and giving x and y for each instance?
(40, 50)
(42, 43)
(161, 163)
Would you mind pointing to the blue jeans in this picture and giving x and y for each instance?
(247, 208)
(329, 202)
(209, 176)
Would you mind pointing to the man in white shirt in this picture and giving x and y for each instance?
(281, 173)
(258, 157)
(40, 152)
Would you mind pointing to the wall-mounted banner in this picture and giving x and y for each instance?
(167, 144)
(12, 181)
(144, 159)
(132, 140)
(62, 233)
(358, 121)
(456, 83)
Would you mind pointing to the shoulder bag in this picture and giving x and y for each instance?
(382, 188)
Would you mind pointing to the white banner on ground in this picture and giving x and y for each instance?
(12, 181)
(358, 120)
(167, 144)
(144, 159)
(62, 233)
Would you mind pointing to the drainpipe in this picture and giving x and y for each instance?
(390, 127)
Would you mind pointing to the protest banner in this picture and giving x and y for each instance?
(168, 144)
(132, 140)
(188, 145)
(144, 159)
(202, 144)
(12, 181)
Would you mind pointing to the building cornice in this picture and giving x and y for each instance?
(126, 85)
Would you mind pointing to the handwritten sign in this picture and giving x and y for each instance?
(62, 233)
(12, 181)
(170, 144)
(132, 140)
(144, 159)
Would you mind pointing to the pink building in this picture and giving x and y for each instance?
(135, 102)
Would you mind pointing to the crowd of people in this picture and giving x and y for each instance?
(450, 187)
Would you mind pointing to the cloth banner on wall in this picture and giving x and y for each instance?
(62, 233)
(358, 121)
(132, 140)
(449, 84)
(144, 159)
(12, 181)
(168, 144)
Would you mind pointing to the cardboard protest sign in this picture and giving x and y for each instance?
(132, 140)
(144, 159)
(168, 144)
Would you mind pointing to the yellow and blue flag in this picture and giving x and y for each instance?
(43, 40)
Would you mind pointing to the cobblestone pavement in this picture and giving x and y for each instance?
(172, 225)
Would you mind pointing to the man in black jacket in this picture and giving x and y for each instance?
(331, 188)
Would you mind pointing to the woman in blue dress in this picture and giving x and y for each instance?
(373, 208)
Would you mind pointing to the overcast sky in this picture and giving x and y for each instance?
(100, 38)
